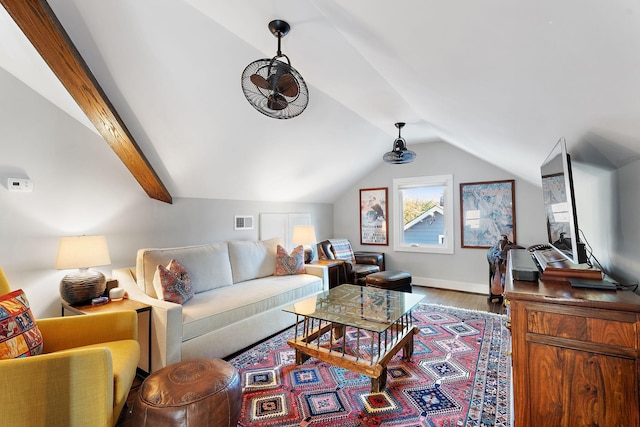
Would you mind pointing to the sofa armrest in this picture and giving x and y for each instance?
(372, 258)
(62, 333)
(71, 388)
(322, 271)
(166, 321)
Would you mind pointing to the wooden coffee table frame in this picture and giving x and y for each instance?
(398, 335)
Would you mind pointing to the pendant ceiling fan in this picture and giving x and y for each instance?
(400, 153)
(272, 86)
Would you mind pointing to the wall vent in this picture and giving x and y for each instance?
(243, 222)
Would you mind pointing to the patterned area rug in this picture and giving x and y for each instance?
(459, 375)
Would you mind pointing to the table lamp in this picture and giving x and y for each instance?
(82, 252)
(305, 235)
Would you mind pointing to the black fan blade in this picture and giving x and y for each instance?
(276, 102)
(287, 86)
(259, 81)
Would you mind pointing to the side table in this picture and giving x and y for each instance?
(144, 323)
(337, 274)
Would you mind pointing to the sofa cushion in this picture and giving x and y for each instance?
(289, 264)
(252, 259)
(208, 266)
(219, 308)
(19, 334)
(172, 283)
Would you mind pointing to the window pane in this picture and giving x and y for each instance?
(423, 214)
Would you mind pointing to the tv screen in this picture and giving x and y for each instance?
(559, 204)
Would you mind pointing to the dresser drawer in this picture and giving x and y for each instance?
(619, 329)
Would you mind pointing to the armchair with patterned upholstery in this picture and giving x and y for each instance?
(357, 265)
(81, 378)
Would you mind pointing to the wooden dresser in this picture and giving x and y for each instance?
(576, 354)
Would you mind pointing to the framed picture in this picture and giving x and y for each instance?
(487, 211)
(373, 216)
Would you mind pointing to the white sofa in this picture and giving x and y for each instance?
(237, 302)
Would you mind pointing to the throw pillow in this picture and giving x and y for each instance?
(172, 283)
(289, 264)
(19, 334)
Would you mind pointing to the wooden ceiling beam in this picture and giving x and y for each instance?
(39, 23)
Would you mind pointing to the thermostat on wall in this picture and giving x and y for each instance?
(20, 184)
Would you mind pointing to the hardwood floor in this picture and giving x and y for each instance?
(459, 299)
(466, 300)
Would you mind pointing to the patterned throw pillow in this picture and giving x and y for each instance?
(19, 334)
(289, 264)
(172, 283)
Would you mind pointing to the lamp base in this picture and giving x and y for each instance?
(81, 286)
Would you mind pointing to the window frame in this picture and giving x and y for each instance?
(399, 184)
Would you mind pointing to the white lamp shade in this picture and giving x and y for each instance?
(82, 252)
(303, 235)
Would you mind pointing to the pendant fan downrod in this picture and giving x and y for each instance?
(279, 29)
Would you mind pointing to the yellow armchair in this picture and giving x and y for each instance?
(83, 376)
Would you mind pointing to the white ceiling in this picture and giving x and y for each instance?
(502, 80)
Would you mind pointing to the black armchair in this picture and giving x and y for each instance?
(357, 265)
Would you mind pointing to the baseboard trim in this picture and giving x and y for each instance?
(452, 285)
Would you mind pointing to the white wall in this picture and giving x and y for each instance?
(625, 252)
(81, 187)
(596, 206)
(466, 269)
(607, 206)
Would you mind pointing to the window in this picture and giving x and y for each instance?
(423, 214)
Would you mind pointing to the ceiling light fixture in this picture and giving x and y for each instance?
(274, 87)
(400, 153)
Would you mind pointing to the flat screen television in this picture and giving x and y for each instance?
(559, 204)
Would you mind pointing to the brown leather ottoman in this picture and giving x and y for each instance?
(392, 280)
(191, 393)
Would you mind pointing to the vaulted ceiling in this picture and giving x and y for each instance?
(502, 80)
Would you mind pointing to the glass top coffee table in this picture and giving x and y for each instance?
(384, 314)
